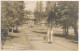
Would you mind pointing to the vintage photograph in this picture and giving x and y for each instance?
(39, 25)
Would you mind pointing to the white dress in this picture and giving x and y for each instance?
(50, 35)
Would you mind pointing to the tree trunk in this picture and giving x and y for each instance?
(16, 28)
(63, 32)
(48, 32)
(67, 31)
(75, 31)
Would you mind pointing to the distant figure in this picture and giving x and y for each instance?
(31, 26)
(10, 29)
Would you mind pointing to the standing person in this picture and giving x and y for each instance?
(50, 33)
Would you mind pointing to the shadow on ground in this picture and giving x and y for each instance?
(40, 32)
(8, 37)
(11, 37)
(71, 37)
(41, 29)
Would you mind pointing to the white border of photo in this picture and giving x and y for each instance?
(39, 0)
(41, 50)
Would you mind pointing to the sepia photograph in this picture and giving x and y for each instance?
(39, 25)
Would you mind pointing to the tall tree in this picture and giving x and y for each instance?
(38, 12)
(64, 14)
(67, 15)
(13, 13)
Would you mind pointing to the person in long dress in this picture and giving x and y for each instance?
(50, 34)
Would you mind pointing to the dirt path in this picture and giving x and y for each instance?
(17, 41)
(59, 43)
(32, 39)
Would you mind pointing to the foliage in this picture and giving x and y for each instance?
(12, 14)
(63, 14)
(38, 12)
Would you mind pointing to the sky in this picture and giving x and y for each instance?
(30, 5)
